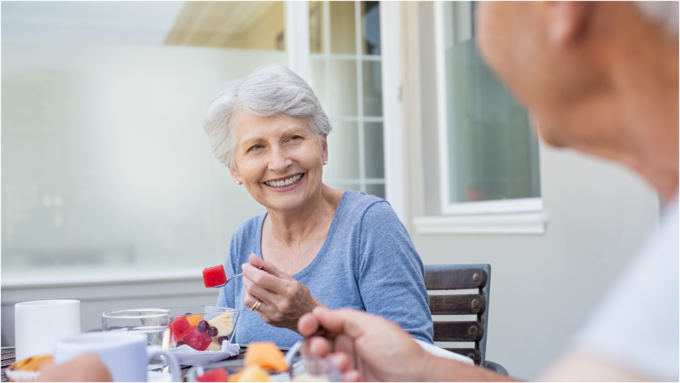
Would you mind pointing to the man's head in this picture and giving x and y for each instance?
(565, 61)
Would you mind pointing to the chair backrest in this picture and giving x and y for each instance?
(461, 277)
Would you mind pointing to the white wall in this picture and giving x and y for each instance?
(542, 286)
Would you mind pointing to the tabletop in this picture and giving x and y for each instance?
(8, 358)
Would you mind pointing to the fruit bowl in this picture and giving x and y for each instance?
(203, 328)
(303, 370)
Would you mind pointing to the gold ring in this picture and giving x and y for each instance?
(256, 305)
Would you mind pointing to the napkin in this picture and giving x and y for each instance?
(438, 351)
(187, 356)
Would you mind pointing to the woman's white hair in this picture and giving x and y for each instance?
(269, 91)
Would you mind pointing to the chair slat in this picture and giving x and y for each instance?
(455, 279)
(471, 353)
(458, 331)
(468, 304)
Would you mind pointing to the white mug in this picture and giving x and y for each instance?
(39, 325)
(125, 354)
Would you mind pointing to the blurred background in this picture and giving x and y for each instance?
(110, 193)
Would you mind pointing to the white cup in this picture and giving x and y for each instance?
(40, 325)
(125, 354)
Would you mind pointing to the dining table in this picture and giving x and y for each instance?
(8, 357)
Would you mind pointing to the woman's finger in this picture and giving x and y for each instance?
(264, 279)
(256, 291)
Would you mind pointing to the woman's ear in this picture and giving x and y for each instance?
(235, 176)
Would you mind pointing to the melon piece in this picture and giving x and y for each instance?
(214, 276)
(197, 340)
(215, 375)
(194, 319)
(265, 355)
(224, 323)
(215, 345)
(180, 327)
(252, 373)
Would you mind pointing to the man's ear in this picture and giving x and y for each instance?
(567, 21)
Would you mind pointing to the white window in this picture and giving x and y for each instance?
(489, 156)
(345, 66)
(489, 153)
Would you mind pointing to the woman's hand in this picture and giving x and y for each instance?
(284, 299)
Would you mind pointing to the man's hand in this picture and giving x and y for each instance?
(367, 347)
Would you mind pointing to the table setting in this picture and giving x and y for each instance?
(166, 344)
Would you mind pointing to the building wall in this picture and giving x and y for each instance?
(543, 286)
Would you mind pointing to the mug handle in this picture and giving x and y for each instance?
(153, 351)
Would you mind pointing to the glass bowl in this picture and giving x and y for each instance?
(202, 327)
(304, 369)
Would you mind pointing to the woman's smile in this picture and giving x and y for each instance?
(286, 183)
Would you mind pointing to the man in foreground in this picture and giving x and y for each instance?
(602, 78)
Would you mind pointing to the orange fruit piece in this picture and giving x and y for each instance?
(252, 373)
(265, 355)
(194, 319)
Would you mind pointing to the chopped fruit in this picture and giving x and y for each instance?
(215, 345)
(194, 319)
(214, 375)
(203, 326)
(224, 324)
(212, 331)
(265, 355)
(214, 276)
(180, 327)
(198, 340)
(252, 374)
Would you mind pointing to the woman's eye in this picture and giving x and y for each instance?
(255, 147)
(295, 137)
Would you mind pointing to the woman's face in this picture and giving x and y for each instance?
(278, 159)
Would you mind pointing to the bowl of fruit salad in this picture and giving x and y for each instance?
(264, 362)
(202, 328)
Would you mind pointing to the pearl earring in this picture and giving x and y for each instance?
(238, 182)
(325, 162)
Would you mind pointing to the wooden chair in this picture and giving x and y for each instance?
(462, 277)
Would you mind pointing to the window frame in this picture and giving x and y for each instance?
(504, 206)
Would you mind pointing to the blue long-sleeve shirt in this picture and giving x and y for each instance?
(367, 262)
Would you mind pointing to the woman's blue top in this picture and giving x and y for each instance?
(367, 262)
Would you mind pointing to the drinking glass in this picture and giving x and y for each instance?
(150, 322)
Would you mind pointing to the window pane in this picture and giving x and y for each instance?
(373, 146)
(316, 27)
(343, 151)
(105, 163)
(372, 73)
(344, 88)
(370, 16)
(492, 150)
(343, 27)
(318, 81)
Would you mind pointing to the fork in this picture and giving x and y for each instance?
(237, 275)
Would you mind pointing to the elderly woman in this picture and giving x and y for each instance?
(315, 246)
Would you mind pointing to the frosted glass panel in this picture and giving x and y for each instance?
(343, 152)
(104, 160)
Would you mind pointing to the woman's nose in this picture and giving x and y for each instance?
(279, 161)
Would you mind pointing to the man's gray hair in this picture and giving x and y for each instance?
(270, 90)
(662, 13)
